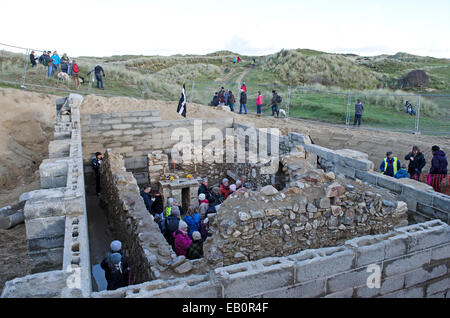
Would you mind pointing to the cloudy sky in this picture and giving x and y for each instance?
(103, 28)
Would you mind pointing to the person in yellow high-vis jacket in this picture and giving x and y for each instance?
(390, 165)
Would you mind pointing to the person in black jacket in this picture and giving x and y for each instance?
(243, 102)
(416, 163)
(96, 163)
(33, 59)
(98, 70)
(439, 168)
(171, 224)
(195, 250)
(145, 194)
(115, 265)
(204, 189)
(216, 100)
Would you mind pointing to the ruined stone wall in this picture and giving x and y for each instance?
(254, 225)
(422, 200)
(149, 254)
(413, 262)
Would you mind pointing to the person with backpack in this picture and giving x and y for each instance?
(359, 108)
(416, 163)
(115, 265)
(193, 220)
(195, 250)
(181, 239)
(98, 71)
(243, 101)
(276, 99)
(259, 101)
(438, 170)
(171, 224)
(76, 73)
(231, 101)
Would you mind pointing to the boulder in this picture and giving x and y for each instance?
(334, 190)
(269, 190)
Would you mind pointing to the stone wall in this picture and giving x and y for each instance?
(422, 200)
(149, 254)
(413, 262)
(253, 225)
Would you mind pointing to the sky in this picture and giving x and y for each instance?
(260, 27)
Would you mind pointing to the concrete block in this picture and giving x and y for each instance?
(422, 236)
(392, 284)
(439, 286)
(348, 293)
(368, 250)
(38, 244)
(349, 172)
(440, 253)
(441, 202)
(59, 148)
(348, 279)
(406, 293)
(367, 176)
(46, 260)
(269, 274)
(315, 288)
(423, 274)
(395, 246)
(389, 183)
(406, 263)
(111, 121)
(49, 207)
(421, 196)
(112, 133)
(48, 227)
(332, 261)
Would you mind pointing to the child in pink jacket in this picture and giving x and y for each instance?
(258, 104)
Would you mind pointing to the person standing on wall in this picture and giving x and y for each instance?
(390, 165)
(96, 163)
(259, 101)
(56, 61)
(243, 101)
(98, 71)
(359, 108)
(416, 163)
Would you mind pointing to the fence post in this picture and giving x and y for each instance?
(192, 92)
(145, 85)
(288, 100)
(25, 66)
(91, 80)
(417, 117)
(347, 116)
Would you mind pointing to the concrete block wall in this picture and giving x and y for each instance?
(412, 261)
(421, 198)
(56, 220)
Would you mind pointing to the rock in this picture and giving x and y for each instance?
(330, 175)
(334, 190)
(244, 216)
(258, 214)
(369, 194)
(342, 227)
(177, 261)
(163, 250)
(362, 205)
(334, 221)
(388, 203)
(303, 219)
(292, 215)
(236, 233)
(402, 207)
(293, 190)
(183, 268)
(324, 203)
(296, 207)
(273, 212)
(240, 256)
(269, 190)
(349, 187)
(336, 210)
(276, 223)
(287, 229)
(258, 225)
(308, 227)
(311, 208)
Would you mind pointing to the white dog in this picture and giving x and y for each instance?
(63, 76)
(283, 112)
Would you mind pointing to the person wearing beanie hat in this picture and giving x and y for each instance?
(116, 246)
(182, 241)
(204, 229)
(201, 197)
(193, 220)
(170, 203)
(171, 224)
(195, 250)
(238, 184)
(439, 168)
(224, 189)
(117, 271)
(233, 188)
(175, 211)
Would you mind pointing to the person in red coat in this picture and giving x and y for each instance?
(225, 188)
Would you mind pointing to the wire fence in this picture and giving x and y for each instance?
(382, 110)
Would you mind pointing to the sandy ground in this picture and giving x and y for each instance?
(26, 128)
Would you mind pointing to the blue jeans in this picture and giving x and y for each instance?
(49, 72)
(232, 107)
(99, 80)
(258, 109)
(245, 108)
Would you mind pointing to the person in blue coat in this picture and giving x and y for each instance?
(193, 220)
(390, 165)
(402, 173)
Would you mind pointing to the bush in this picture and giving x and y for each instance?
(415, 78)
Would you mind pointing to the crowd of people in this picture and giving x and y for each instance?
(225, 97)
(56, 64)
(391, 166)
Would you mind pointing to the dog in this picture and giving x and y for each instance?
(63, 76)
(282, 112)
